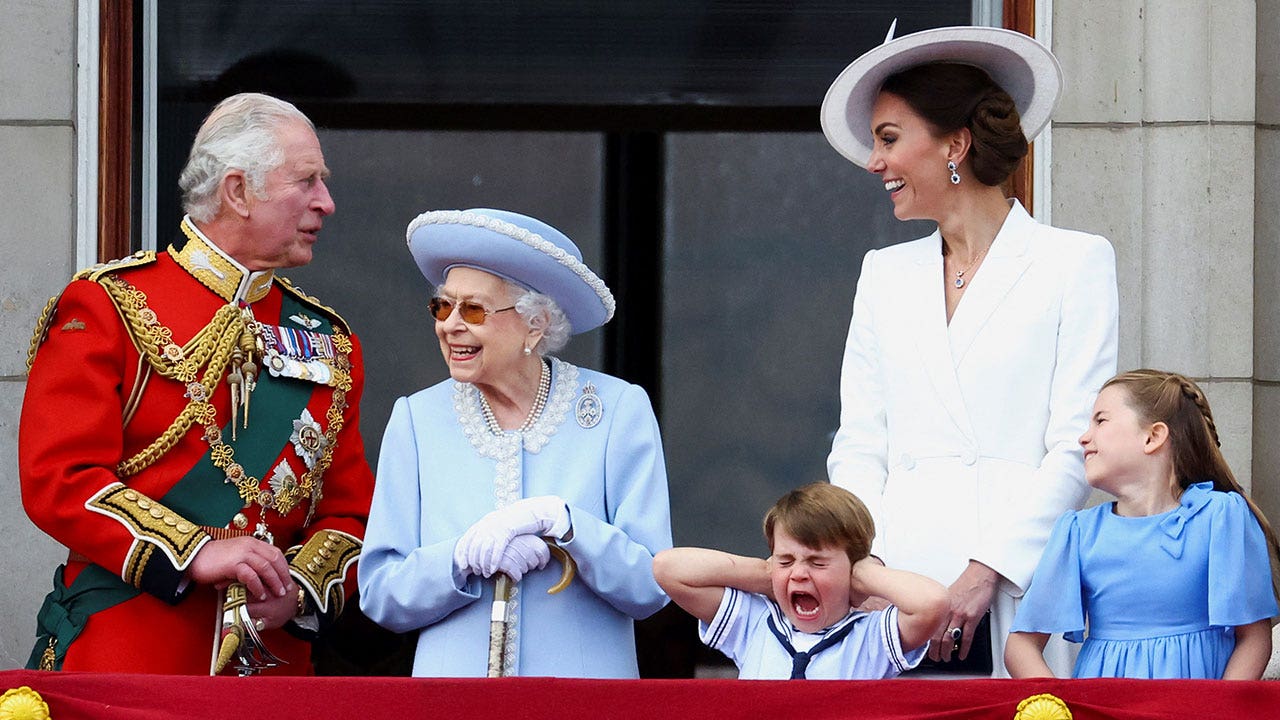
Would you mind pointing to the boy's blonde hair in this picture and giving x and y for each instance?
(822, 515)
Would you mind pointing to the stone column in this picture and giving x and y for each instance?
(1266, 269)
(1154, 147)
(37, 252)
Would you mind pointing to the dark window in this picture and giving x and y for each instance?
(675, 141)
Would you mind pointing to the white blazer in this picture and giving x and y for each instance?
(962, 439)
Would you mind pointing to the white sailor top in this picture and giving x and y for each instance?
(871, 649)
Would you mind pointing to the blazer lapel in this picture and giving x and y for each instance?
(1007, 260)
(925, 319)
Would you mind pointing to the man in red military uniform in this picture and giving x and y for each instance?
(191, 425)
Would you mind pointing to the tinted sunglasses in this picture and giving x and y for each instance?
(472, 313)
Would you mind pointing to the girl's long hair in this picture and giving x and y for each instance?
(1176, 401)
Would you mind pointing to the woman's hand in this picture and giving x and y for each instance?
(480, 549)
(970, 597)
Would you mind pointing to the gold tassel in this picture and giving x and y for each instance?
(248, 369)
(49, 658)
(226, 651)
(236, 381)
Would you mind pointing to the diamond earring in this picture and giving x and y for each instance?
(955, 177)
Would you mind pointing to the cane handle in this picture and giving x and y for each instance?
(568, 568)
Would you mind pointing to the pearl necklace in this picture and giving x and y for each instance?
(539, 402)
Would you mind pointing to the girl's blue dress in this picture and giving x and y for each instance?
(1161, 595)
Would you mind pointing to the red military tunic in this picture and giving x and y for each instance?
(110, 469)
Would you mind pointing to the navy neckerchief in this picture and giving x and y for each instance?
(800, 660)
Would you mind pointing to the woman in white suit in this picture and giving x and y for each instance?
(974, 353)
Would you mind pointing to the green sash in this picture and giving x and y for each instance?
(275, 404)
(66, 610)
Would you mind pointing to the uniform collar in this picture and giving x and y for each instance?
(218, 271)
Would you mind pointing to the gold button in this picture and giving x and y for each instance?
(240, 521)
(171, 520)
(144, 503)
(185, 527)
(156, 511)
(130, 495)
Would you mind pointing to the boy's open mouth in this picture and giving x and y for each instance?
(805, 605)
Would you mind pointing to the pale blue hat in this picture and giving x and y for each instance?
(515, 247)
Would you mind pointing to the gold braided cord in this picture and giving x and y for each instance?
(41, 333)
(155, 341)
(215, 345)
(194, 411)
(42, 330)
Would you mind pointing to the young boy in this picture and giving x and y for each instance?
(791, 615)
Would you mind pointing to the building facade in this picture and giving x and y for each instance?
(1166, 142)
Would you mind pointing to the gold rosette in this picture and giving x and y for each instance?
(1042, 707)
(23, 704)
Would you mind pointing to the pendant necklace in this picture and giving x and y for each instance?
(960, 273)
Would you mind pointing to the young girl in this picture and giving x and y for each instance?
(1174, 578)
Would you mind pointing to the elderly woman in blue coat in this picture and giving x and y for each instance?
(518, 449)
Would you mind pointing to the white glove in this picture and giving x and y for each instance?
(522, 554)
(480, 548)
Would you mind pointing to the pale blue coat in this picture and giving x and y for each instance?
(439, 471)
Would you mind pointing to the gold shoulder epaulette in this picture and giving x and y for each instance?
(289, 287)
(138, 259)
(94, 273)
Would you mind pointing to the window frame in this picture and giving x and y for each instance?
(121, 162)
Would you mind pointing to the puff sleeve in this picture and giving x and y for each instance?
(1054, 602)
(1239, 565)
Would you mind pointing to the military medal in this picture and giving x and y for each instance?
(308, 441)
(590, 409)
(283, 483)
(300, 354)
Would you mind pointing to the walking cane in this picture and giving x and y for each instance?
(502, 593)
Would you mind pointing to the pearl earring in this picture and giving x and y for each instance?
(955, 177)
(527, 351)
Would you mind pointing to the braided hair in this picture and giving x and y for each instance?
(1176, 401)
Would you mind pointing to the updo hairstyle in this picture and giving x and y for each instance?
(950, 96)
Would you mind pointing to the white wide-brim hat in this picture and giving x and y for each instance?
(515, 247)
(1019, 64)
